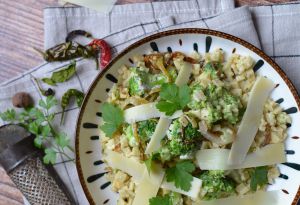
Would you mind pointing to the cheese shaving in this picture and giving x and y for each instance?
(251, 120)
(149, 185)
(145, 112)
(216, 159)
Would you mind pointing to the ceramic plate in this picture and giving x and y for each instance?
(88, 150)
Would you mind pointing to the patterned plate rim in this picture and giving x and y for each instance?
(157, 36)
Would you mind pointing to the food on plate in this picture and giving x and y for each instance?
(192, 129)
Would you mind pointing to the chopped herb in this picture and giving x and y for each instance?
(173, 98)
(180, 174)
(113, 119)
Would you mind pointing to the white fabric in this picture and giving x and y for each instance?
(273, 28)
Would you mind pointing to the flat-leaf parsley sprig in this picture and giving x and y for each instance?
(113, 118)
(38, 121)
(181, 175)
(173, 98)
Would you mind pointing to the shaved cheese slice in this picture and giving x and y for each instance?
(258, 198)
(145, 112)
(185, 70)
(128, 165)
(149, 185)
(216, 159)
(137, 170)
(193, 192)
(159, 133)
(102, 6)
(251, 120)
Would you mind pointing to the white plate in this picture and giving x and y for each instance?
(88, 151)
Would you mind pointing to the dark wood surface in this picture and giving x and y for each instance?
(21, 29)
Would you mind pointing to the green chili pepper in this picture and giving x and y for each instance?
(68, 51)
(61, 75)
(65, 100)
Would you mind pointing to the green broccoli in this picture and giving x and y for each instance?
(146, 129)
(211, 68)
(217, 103)
(183, 140)
(137, 81)
(141, 81)
(128, 131)
(176, 198)
(217, 185)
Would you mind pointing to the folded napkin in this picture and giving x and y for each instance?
(272, 28)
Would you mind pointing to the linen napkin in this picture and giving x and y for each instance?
(272, 28)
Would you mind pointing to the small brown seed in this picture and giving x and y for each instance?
(22, 100)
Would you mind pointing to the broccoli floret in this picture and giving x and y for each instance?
(211, 68)
(176, 198)
(140, 80)
(165, 154)
(217, 185)
(128, 131)
(217, 103)
(137, 81)
(146, 129)
(183, 140)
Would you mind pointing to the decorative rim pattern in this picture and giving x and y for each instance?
(157, 36)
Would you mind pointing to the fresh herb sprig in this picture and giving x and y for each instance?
(160, 200)
(173, 98)
(180, 174)
(39, 121)
(113, 118)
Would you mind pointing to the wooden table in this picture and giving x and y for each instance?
(21, 29)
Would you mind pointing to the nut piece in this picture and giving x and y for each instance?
(22, 100)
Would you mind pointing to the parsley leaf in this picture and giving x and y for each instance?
(160, 200)
(180, 174)
(9, 115)
(50, 156)
(62, 140)
(173, 98)
(113, 118)
(259, 177)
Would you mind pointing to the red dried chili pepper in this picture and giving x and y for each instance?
(104, 48)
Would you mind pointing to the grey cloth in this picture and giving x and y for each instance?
(272, 28)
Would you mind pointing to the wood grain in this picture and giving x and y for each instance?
(21, 29)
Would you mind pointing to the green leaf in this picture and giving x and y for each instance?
(62, 75)
(173, 98)
(160, 200)
(259, 177)
(49, 81)
(50, 156)
(33, 128)
(62, 140)
(112, 117)
(9, 115)
(180, 174)
(184, 95)
(38, 141)
(51, 101)
(46, 131)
